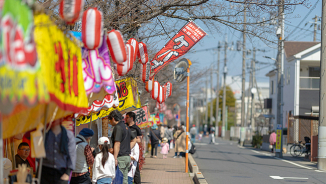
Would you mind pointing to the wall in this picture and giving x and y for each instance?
(308, 98)
(288, 89)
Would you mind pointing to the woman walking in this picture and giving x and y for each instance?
(155, 139)
(104, 164)
(180, 142)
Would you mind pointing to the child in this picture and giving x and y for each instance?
(165, 147)
(200, 136)
(134, 159)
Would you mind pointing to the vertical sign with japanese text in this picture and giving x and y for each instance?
(278, 138)
(179, 45)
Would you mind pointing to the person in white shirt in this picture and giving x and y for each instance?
(134, 159)
(104, 164)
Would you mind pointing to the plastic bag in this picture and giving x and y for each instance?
(118, 177)
(37, 143)
(171, 145)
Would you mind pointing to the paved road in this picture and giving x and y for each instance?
(226, 162)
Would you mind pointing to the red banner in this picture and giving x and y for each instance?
(178, 46)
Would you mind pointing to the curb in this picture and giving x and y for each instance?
(198, 177)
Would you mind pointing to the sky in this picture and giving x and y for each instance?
(302, 32)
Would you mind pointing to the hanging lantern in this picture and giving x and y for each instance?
(148, 86)
(116, 46)
(142, 53)
(123, 69)
(71, 10)
(162, 95)
(168, 87)
(134, 43)
(155, 90)
(92, 28)
(130, 56)
(145, 72)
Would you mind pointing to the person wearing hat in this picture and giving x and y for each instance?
(155, 137)
(104, 163)
(85, 158)
(165, 147)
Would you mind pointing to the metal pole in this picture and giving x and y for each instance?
(187, 124)
(224, 86)
(211, 92)
(253, 61)
(322, 96)
(217, 89)
(315, 27)
(280, 73)
(243, 91)
(206, 105)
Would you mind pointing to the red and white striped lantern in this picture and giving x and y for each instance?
(168, 87)
(116, 46)
(145, 72)
(130, 56)
(148, 86)
(156, 90)
(162, 95)
(124, 68)
(92, 28)
(134, 43)
(71, 10)
(142, 53)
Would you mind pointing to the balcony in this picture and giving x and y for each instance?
(309, 83)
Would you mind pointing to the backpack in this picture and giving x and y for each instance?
(193, 149)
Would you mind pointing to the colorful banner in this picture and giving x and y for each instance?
(128, 100)
(21, 79)
(178, 46)
(61, 64)
(278, 138)
(141, 116)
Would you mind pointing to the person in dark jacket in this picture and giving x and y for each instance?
(155, 137)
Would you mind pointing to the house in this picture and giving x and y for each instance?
(301, 80)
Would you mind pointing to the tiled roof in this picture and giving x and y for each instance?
(294, 47)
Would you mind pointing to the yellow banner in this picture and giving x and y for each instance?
(278, 140)
(61, 65)
(128, 100)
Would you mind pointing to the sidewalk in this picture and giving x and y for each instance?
(159, 170)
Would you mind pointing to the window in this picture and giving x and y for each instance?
(288, 76)
(272, 87)
(314, 71)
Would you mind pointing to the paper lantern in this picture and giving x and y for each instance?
(71, 10)
(155, 90)
(149, 86)
(123, 69)
(142, 53)
(92, 28)
(116, 46)
(168, 87)
(162, 95)
(130, 56)
(134, 43)
(145, 71)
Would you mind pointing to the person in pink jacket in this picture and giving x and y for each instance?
(165, 147)
(272, 140)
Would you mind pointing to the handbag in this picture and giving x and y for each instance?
(118, 177)
(270, 146)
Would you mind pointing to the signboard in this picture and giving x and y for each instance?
(178, 46)
(278, 138)
(141, 116)
(128, 100)
(61, 64)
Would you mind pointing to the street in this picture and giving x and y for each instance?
(226, 162)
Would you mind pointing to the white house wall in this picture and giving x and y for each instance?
(288, 89)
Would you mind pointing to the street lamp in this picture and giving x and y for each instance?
(270, 58)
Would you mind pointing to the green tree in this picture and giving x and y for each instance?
(230, 103)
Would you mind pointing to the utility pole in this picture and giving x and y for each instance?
(211, 92)
(253, 63)
(224, 87)
(315, 27)
(322, 96)
(217, 88)
(206, 96)
(280, 72)
(249, 96)
(243, 91)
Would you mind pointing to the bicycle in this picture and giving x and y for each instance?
(297, 149)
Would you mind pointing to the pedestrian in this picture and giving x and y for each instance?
(211, 135)
(134, 162)
(130, 119)
(22, 154)
(121, 140)
(169, 134)
(180, 142)
(193, 133)
(85, 158)
(60, 149)
(155, 137)
(200, 136)
(165, 146)
(272, 141)
(104, 163)
(205, 129)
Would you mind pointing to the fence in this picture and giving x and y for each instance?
(300, 127)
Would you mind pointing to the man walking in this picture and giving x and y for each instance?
(85, 158)
(193, 133)
(135, 130)
(121, 140)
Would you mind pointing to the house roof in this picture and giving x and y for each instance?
(293, 47)
(271, 73)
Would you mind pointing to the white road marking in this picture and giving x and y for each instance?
(319, 171)
(283, 160)
(282, 178)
